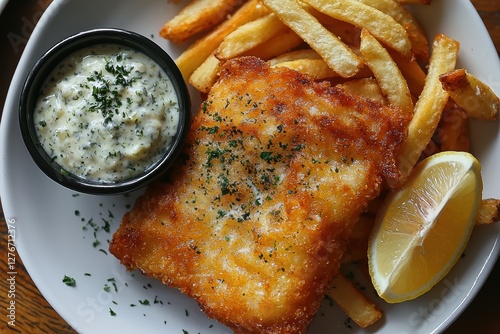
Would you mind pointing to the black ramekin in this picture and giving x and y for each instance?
(49, 60)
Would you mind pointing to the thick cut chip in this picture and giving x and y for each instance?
(197, 53)
(430, 104)
(416, 35)
(379, 24)
(295, 55)
(336, 54)
(452, 133)
(276, 46)
(421, 2)
(354, 303)
(489, 211)
(306, 61)
(253, 220)
(206, 74)
(309, 62)
(386, 71)
(250, 35)
(413, 73)
(473, 95)
(366, 88)
(197, 16)
(317, 69)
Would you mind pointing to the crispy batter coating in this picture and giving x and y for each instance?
(255, 217)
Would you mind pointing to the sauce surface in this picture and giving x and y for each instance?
(106, 113)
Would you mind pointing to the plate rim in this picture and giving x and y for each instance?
(3, 3)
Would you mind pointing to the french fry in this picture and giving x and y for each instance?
(430, 104)
(198, 15)
(421, 2)
(392, 83)
(250, 35)
(309, 62)
(452, 133)
(204, 77)
(489, 212)
(379, 24)
(276, 46)
(420, 45)
(315, 68)
(196, 54)
(206, 74)
(336, 54)
(365, 87)
(362, 311)
(294, 55)
(470, 93)
(413, 73)
(346, 32)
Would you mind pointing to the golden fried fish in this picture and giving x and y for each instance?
(255, 216)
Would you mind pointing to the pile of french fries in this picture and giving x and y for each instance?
(375, 49)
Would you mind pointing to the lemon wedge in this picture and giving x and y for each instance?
(421, 230)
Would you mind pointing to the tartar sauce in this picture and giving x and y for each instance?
(107, 113)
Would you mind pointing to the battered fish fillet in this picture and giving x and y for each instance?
(254, 218)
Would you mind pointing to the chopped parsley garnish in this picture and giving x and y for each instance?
(269, 157)
(69, 281)
(106, 93)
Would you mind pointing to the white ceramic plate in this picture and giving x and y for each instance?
(54, 227)
(2, 5)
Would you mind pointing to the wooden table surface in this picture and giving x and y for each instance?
(34, 314)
